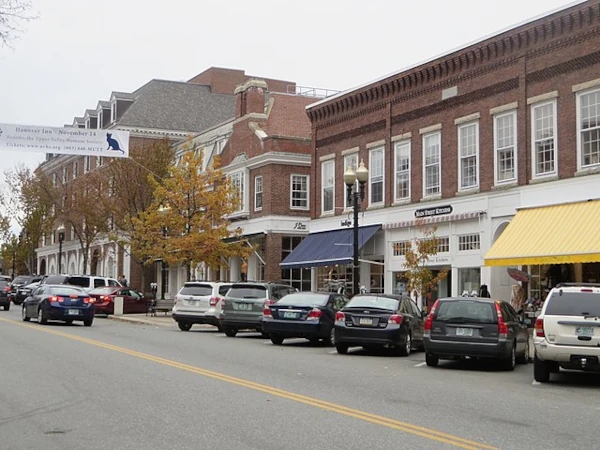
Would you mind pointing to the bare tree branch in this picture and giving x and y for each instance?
(12, 14)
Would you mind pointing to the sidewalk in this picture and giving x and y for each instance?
(159, 320)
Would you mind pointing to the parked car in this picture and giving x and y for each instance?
(379, 320)
(18, 283)
(23, 292)
(567, 332)
(308, 315)
(475, 327)
(245, 303)
(199, 302)
(87, 282)
(4, 294)
(6, 278)
(133, 301)
(59, 302)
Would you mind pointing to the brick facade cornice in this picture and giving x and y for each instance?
(531, 40)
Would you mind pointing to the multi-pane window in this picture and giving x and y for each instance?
(402, 169)
(237, 181)
(505, 138)
(544, 138)
(299, 192)
(400, 248)
(468, 148)
(328, 186)
(65, 175)
(349, 161)
(443, 244)
(54, 179)
(75, 169)
(589, 128)
(258, 193)
(468, 242)
(431, 168)
(298, 278)
(376, 171)
(86, 164)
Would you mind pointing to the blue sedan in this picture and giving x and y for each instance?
(59, 302)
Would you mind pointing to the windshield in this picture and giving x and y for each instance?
(103, 290)
(465, 311)
(247, 292)
(303, 299)
(79, 281)
(573, 304)
(196, 289)
(370, 301)
(66, 290)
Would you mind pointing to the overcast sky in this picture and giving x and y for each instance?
(78, 52)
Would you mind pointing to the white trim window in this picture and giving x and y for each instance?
(237, 181)
(299, 192)
(376, 176)
(402, 170)
(113, 111)
(543, 137)
(65, 175)
(55, 179)
(86, 164)
(99, 115)
(328, 186)
(505, 147)
(258, 193)
(588, 128)
(468, 242)
(100, 161)
(432, 181)
(75, 169)
(350, 160)
(468, 156)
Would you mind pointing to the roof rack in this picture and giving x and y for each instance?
(571, 284)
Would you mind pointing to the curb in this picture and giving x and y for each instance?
(139, 321)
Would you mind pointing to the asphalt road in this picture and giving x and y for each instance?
(128, 387)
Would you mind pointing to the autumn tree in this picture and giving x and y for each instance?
(421, 281)
(187, 224)
(12, 14)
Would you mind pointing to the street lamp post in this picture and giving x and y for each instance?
(163, 284)
(61, 238)
(355, 196)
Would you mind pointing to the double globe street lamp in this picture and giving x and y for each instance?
(61, 238)
(356, 194)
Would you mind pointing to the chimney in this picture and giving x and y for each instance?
(250, 97)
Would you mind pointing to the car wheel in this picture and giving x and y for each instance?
(541, 370)
(511, 361)
(184, 326)
(277, 340)
(330, 340)
(524, 358)
(88, 323)
(6, 307)
(24, 314)
(230, 332)
(404, 350)
(431, 360)
(41, 317)
(342, 349)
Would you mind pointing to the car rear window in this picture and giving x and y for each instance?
(66, 290)
(372, 301)
(247, 292)
(301, 299)
(465, 311)
(79, 281)
(55, 279)
(196, 289)
(224, 289)
(573, 304)
(102, 290)
(3, 283)
(22, 280)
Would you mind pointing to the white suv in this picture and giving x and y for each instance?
(567, 332)
(200, 302)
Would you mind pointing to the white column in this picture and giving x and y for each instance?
(454, 288)
(253, 268)
(235, 265)
(313, 279)
(364, 278)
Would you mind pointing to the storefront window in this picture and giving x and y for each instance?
(298, 278)
(334, 278)
(469, 280)
(377, 278)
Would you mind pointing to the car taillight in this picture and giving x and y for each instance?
(395, 319)
(88, 300)
(314, 314)
(213, 301)
(340, 317)
(55, 298)
(6, 288)
(539, 327)
(222, 303)
(267, 313)
(428, 325)
(502, 328)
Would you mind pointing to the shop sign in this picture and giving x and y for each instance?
(299, 226)
(430, 212)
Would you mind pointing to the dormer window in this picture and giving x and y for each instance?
(87, 123)
(113, 111)
(99, 118)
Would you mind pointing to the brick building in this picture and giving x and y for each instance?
(157, 110)
(465, 141)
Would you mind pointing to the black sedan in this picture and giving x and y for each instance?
(308, 315)
(59, 302)
(371, 321)
(20, 287)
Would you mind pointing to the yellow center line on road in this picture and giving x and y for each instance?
(424, 432)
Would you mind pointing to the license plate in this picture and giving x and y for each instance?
(464, 331)
(73, 312)
(584, 331)
(289, 315)
(244, 306)
(365, 321)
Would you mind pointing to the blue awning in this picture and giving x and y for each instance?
(327, 248)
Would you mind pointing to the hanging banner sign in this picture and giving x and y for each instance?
(64, 141)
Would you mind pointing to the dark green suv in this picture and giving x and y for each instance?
(245, 303)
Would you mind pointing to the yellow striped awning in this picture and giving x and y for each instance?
(566, 233)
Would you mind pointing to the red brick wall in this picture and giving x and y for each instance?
(273, 257)
(224, 81)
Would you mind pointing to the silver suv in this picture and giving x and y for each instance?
(245, 303)
(567, 332)
(199, 302)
